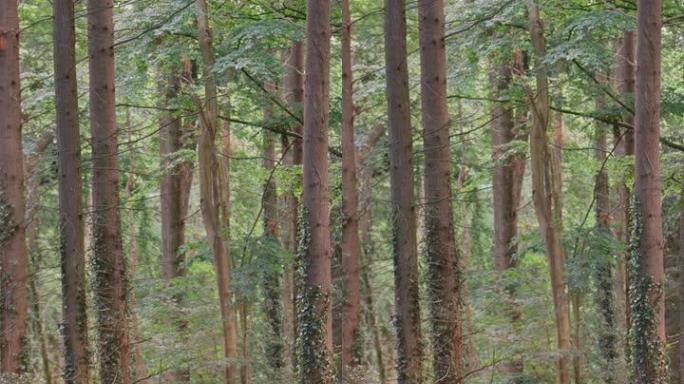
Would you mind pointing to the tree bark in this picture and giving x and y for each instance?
(625, 71)
(350, 353)
(444, 285)
(272, 275)
(211, 192)
(108, 259)
(13, 255)
(172, 213)
(174, 187)
(314, 307)
(506, 180)
(404, 242)
(544, 192)
(72, 251)
(604, 272)
(624, 148)
(646, 283)
(293, 94)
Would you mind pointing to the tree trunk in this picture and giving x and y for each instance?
(271, 277)
(175, 181)
(444, 285)
(681, 286)
(13, 256)
(350, 353)
(506, 196)
(544, 192)
(625, 147)
(72, 251)
(293, 94)
(646, 283)
(108, 259)
(604, 273)
(211, 190)
(315, 309)
(404, 243)
(172, 215)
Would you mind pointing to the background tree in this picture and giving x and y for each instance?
(75, 323)
(350, 247)
(108, 264)
(403, 219)
(13, 256)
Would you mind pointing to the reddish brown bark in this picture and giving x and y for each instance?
(108, 258)
(545, 192)
(174, 189)
(272, 275)
(293, 90)
(212, 192)
(648, 303)
(350, 247)
(171, 188)
(444, 286)
(604, 274)
(506, 182)
(13, 256)
(316, 309)
(625, 147)
(72, 251)
(404, 242)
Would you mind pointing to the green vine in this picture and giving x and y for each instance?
(648, 357)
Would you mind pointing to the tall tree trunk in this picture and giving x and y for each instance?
(108, 258)
(72, 251)
(13, 256)
(293, 94)
(625, 65)
(604, 272)
(404, 243)
(544, 192)
(444, 285)
(272, 275)
(646, 283)
(174, 201)
(506, 197)
(211, 192)
(625, 147)
(315, 311)
(172, 215)
(350, 247)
